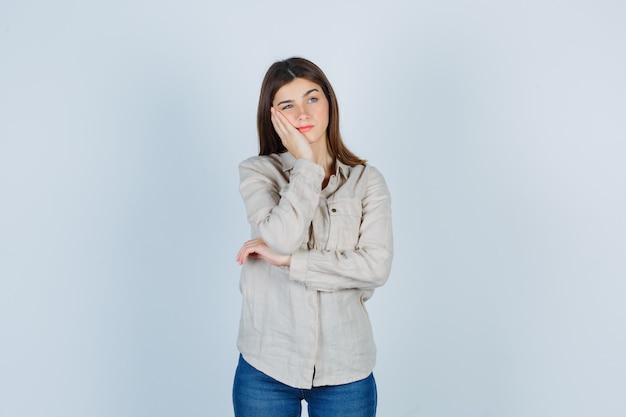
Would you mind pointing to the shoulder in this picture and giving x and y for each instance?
(261, 161)
(264, 165)
(374, 182)
(278, 161)
(365, 172)
(374, 173)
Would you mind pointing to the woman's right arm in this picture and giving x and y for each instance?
(280, 217)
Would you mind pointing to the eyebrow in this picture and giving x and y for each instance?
(303, 95)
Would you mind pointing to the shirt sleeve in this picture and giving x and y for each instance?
(369, 264)
(280, 215)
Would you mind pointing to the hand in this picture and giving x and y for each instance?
(294, 141)
(257, 248)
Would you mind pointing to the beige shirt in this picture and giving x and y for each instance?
(306, 325)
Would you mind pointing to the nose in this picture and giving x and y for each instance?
(302, 114)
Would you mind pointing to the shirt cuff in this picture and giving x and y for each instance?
(309, 168)
(298, 266)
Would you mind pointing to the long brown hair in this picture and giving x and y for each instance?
(281, 73)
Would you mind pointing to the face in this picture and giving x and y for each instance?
(306, 107)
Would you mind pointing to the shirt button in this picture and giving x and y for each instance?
(334, 210)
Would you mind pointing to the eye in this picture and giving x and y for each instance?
(287, 106)
(313, 100)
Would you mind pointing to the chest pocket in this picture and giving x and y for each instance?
(345, 223)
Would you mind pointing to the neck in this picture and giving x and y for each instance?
(322, 158)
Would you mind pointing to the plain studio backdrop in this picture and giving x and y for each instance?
(500, 127)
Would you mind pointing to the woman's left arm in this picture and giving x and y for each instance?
(367, 265)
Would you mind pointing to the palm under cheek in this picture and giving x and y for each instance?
(291, 120)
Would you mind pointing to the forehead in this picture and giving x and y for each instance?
(296, 89)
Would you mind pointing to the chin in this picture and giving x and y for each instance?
(313, 139)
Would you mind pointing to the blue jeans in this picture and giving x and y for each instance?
(258, 395)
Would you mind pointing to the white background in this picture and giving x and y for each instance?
(500, 127)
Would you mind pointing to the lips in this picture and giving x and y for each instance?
(304, 129)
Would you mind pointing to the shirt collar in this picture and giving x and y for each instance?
(342, 168)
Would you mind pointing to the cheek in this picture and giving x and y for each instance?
(323, 116)
(292, 118)
(324, 113)
(321, 111)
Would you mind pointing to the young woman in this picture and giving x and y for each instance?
(321, 242)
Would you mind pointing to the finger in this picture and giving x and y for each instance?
(282, 124)
(247, 248)
(279, 124)
(242, 254)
